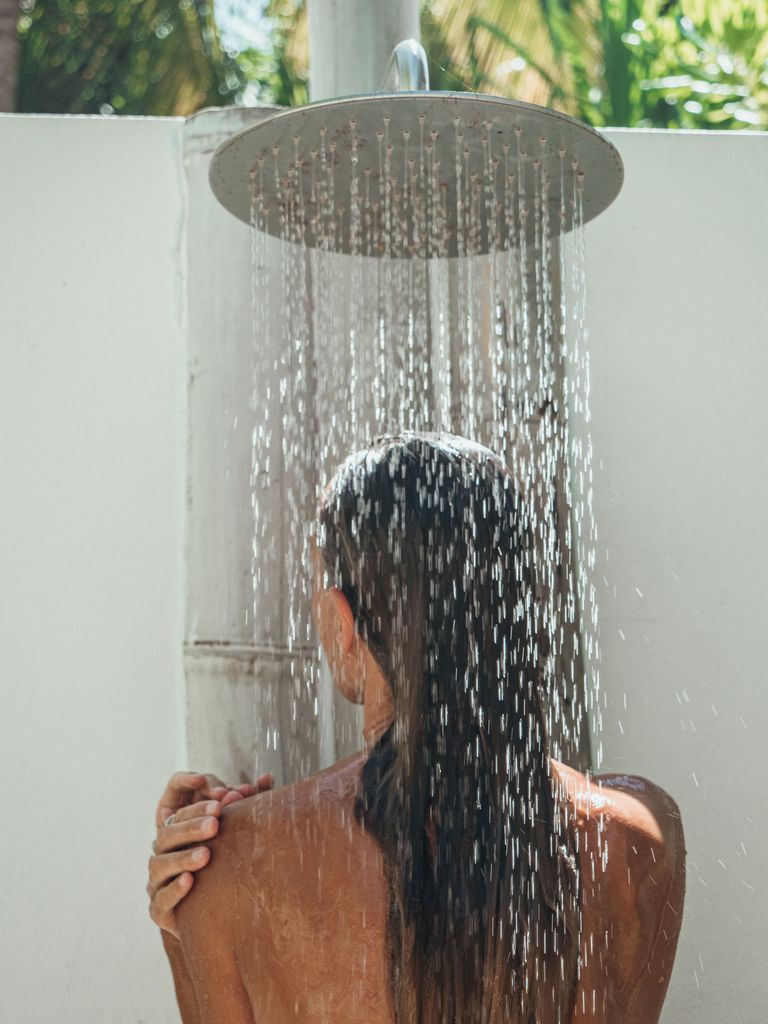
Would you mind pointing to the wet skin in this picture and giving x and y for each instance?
(288, 921)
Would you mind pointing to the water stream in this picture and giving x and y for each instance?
(459, 306)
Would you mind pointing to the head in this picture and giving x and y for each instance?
(354, 670)
(394, 514)
(334, 620)
(428, 568)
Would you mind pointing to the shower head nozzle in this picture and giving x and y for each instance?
(416, 174)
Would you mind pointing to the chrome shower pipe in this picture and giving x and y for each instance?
(407, 70)
(351, 42)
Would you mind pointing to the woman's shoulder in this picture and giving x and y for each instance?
(628, 807)
(286, 832)
(631, 846)
(302, 889)
(286, 848)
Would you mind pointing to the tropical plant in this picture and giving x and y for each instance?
(686, 64)
(280, 73)
(720, 78)
(9, 53)
(132, 57)
(640, 63)
(656, 63)
(486, 60)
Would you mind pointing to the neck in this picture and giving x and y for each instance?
(373, 732)
(378, 710)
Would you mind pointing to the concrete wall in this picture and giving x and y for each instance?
(234, 645)
(92, 434)
(677, 316)
(91, 529)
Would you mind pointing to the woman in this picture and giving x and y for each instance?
(453, 871)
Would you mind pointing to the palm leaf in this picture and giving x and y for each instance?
(475, 22)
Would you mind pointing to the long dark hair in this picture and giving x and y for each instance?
(428, 537)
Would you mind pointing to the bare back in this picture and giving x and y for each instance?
(296, 889)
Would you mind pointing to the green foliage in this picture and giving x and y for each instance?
(133, 57)
(279, 75)
(688, 64)
(442, 71)
(477, 24)
(720, 76)
(640, 63)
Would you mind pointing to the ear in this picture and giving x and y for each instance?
(336, 622)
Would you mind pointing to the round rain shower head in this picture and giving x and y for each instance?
(417, 174)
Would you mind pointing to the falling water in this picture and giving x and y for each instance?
(458, 304)
(426, 286)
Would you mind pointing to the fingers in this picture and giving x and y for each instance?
(166, 866)
(163, 904)
(182, 783)
(263, 783)
(202, 809)
(195, 800)
(179, 784)
(184, 833)
(177, 793)
(184, 788)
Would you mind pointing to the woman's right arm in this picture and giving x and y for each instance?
(187, 814)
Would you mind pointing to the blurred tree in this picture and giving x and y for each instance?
(485, 60)
(640, 63)
(133, 57)
(719, 78)
(9, 53)
(280, 74)
(655, 63)
(635, 63)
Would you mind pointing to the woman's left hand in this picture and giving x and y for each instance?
(185, 788)
(181, 828)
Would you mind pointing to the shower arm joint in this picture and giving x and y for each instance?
(407, 70)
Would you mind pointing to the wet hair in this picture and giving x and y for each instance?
(428, 538)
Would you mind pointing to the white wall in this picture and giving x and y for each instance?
(92, 254)
(677, 271)
(91, 448)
